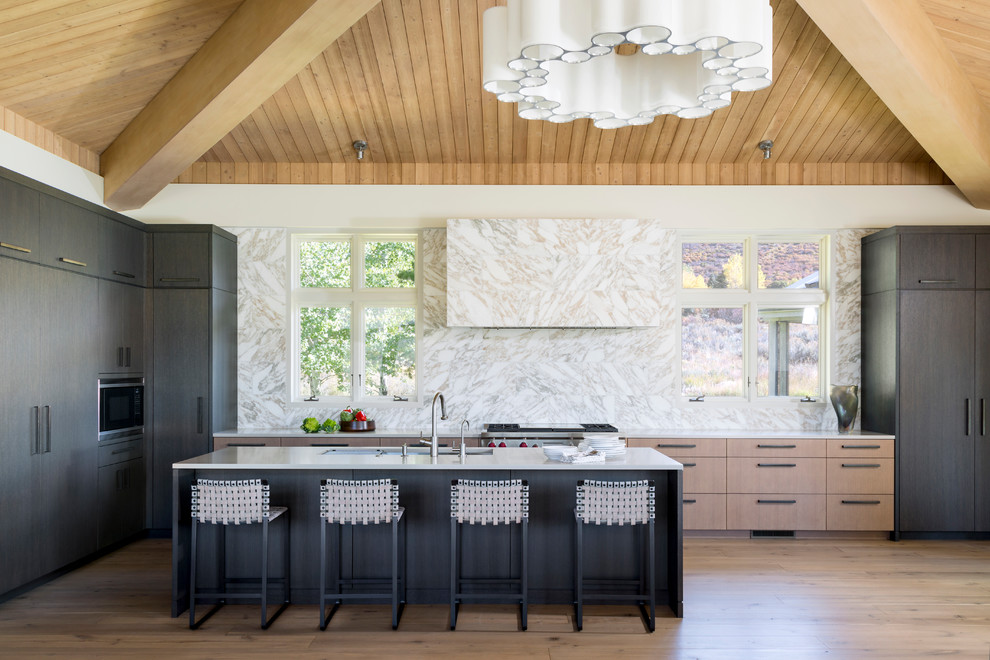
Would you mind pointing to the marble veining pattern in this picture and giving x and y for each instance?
(627, 376)
(552, 273)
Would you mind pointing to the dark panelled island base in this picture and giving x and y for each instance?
(294, 475)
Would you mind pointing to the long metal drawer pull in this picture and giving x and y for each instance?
(123, 451)
(690, 501)
(776, 501)
(861, 446)
(48, 429)
(968, 416)
(776, 446)
(36, 447)
(677, 446)
(327, 444)
(199, 414)
(861, 501)
(860, 465)
(66, 260)
(15, 247)
(776, 465)
(246, 444)
(121, 273)
(936, 281)
(983, 416)
(689, 464)
(178, 279)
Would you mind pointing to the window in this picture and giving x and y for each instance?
(355, 309)
(752, 312)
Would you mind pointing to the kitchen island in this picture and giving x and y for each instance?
(294, 475)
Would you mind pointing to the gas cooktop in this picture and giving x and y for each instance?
(550, 428)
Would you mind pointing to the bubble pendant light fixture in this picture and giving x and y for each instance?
(624, 62)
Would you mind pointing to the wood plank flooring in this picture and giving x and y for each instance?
(754, 599)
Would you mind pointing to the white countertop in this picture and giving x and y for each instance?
(320, 458)
(625, 433)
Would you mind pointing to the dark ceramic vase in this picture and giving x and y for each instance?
(845, 400)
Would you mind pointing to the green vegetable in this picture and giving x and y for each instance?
(310, 425)
(330, 425)
(347, 415)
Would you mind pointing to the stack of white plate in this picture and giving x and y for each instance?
(558, 452)
(609, 445)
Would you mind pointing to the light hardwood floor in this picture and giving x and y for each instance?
(754, 599)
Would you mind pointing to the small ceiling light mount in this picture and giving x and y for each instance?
(360, 146)
(766, 146)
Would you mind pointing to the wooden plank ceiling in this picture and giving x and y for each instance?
(407, 78)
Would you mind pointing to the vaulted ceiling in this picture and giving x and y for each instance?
(223, 91)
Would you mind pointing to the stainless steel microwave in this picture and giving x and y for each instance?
(121, 405)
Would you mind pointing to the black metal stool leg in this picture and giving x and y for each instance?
(579, 577)
(192, 575)
(395, 574)
(264, 574)
(524, 578)
(454, 575)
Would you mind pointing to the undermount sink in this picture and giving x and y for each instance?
(410, 451)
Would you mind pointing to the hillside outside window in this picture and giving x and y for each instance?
(753, 312)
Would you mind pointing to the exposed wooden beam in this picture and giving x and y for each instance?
(254, 53)
(895, 47)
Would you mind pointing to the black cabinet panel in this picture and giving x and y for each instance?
(182, 400)
(879, 400)
(20, 466)
(121, 328)
(936, 261)
(983, 261)
(123, 252)
(935, 441)
(70, 236)
(19, 227)
(879, 264)
(982, 409)
(182, 260)
(69, 389)
(121, 497)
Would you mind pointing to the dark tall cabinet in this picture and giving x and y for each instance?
(49, 424)
(195, 349)
(926, 359)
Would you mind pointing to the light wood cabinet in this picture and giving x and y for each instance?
(704, 511)
(775, 511)
(776, 447)
(840, 483)
(775, 475)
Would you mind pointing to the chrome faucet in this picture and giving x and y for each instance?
(463, 448)
(433, 423)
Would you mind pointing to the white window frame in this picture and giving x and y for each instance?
(751, 298)
(358, 298)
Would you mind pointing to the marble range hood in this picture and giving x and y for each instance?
(553, 273)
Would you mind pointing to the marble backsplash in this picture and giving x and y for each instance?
(626, 376)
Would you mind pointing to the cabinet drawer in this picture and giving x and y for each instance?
(859, 448)
(325, 440)
(220, 443)
(807, 447)
(121, 451)
(775, 475)
(864, 512)
(776, 511)
(704, 511)
(677, 447)
(704, 474)
(857, 475)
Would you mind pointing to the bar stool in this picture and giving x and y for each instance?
(373, 501)
(488, 502)
(241, 502)
(618, 503)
